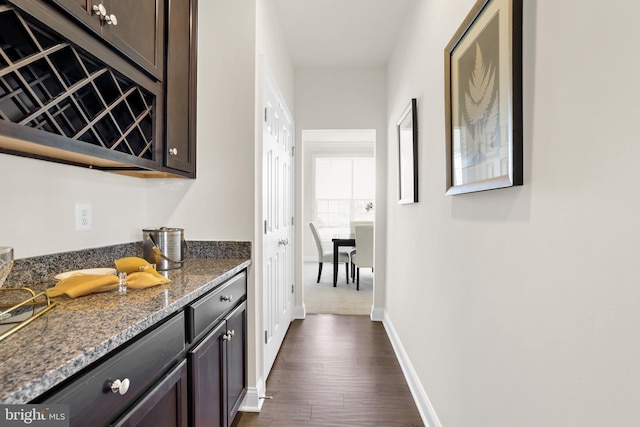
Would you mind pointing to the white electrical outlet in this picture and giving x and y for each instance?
(83, 216)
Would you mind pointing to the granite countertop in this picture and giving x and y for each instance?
(78, 332)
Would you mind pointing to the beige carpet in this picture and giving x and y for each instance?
(323, 298)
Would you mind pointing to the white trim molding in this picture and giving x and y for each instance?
(377, 314)
(300, 312)
(252, 401)
(427, 412)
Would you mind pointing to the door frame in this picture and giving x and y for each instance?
(270, 226)
(357, 140)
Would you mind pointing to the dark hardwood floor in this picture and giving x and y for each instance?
(335, 370)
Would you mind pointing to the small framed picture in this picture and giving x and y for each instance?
(483, 99)
(408, 155)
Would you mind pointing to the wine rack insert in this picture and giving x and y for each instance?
(50, 84)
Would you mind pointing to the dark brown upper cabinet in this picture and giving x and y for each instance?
(180, 109)
(135, 28)
(68, 96)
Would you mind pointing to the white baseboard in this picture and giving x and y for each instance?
(427, 413)
(377, 314)
(299, 312)
(252, 401)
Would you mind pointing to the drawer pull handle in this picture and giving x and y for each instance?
(111, 19)
(99, 10)
(121, 387)
(226, 298)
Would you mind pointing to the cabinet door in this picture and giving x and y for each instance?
(207, 380)
(236, 360)
(82, 10)
(164, 406)
(139, 32)
(180, 147)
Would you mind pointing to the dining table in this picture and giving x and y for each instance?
(339, 242)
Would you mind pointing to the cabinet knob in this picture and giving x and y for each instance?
(121, 387)
(111, 19)
(231, 332)
(99, 10)
(226, 298)
(227, 337)
(173, 151)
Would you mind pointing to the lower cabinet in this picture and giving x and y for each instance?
(236, 361)
(108, 389)
(217, 370)
(188, 371)
(164, 406)
(180, 88)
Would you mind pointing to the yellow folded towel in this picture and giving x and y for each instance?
(83, 284)
(142, 279)
(132, 264)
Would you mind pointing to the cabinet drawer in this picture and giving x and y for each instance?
(91, 400)
(203, 313)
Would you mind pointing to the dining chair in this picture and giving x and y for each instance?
(352, 250)
(326, 254)
(364, 250)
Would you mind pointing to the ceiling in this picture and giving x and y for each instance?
(341, 33)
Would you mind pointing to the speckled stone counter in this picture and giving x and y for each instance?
(78, 332)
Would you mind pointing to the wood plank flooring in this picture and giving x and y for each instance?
(335, 370)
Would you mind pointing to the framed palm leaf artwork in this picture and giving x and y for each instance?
(483, 99)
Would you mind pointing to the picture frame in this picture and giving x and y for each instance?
(483, 99)
(407, 127)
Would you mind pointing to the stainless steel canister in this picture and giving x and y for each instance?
(164, 247)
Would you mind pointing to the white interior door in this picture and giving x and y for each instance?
(278, 175)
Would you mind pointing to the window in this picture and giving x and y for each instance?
(344, 192)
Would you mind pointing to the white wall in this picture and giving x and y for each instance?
(343, 98)
(272, 47)
(219, 204)
(37, 207)
(519, 307)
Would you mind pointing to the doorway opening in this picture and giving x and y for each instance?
(338, 192)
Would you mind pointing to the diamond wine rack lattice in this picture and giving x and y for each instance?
(47, 83)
